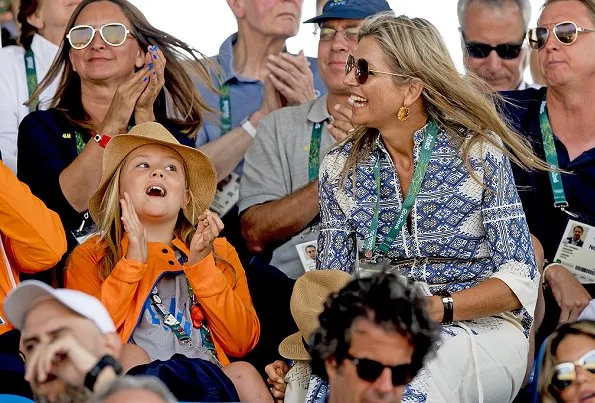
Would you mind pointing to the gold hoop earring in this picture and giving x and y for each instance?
(403, 113)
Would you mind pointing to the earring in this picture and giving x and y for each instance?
(403, 113)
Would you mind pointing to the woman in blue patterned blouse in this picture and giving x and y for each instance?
(424, 187)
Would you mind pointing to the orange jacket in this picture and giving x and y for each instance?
(223, 294)
(32, 234)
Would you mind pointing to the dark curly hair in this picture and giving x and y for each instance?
(383, 300)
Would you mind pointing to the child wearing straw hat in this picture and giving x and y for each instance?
(310, 292)
(169, 283)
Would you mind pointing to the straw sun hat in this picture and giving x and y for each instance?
(200, 171)
(307, 302)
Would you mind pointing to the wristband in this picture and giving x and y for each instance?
(545, 269)
(248, 127)
(101, 139)
(105, 361)
(448, 304)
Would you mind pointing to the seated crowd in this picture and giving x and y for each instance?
(257, 226)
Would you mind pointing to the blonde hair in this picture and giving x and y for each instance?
(111, 230)
(584, 327)
(460, 104)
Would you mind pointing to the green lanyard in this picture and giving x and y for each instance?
(31, 78)
(314, 158)
(427, 146)
(225, 108)
(551, 157)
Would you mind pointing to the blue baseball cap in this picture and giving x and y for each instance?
(350, 10)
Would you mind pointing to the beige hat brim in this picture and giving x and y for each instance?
(202, 177)
(292, 348)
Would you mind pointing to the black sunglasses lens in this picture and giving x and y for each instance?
(565, 32)
(361, 71)
(369, 370)
(508, 51)
(401, 375)
(477, 50)
(537, 37)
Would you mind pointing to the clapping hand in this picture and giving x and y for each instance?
(292, 77)
(208, 229)
(138, 248)
(155, 64)
(276, 379)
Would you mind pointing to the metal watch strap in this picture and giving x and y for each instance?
(105, 361)
(448, 304)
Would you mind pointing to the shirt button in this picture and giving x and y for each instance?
(171, 262)
(164, 250)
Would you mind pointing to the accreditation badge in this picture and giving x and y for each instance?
(576, 251)
(307, 252)
(227, 195)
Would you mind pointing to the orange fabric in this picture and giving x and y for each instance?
(32, 234)
(223, 294)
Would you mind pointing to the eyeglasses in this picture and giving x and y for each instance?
(327, 34)
(370, 370)
(362, 72)
(565, 373)
(114, 34)
(565, 32)
(506, 51)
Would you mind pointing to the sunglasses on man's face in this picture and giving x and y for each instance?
(565, 32)
(506, 51)
(370, 370)
(114, 34)
(362, 71)
(565, 373)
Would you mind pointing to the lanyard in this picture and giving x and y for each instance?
(225, 108)
(31, 78)
(551, 157)
(314, 158)
(427, 146)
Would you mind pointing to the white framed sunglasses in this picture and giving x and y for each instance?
(114, 34)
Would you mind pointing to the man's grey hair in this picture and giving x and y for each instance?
(524, 7)
(149, 383)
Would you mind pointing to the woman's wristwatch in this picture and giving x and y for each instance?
(448, 303)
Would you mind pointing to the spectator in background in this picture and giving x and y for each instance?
(371, 325)
(138, 389)
(8, 22)
(43, 24)
(558, 121)
(32, 240)
(493, 40)
(568, 370)
(113, 76)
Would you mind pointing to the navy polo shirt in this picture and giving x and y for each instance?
(46, 146)
(545, 221)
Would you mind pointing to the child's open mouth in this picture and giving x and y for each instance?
(156, 191)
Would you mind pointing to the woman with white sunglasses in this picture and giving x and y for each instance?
(42, 27)
(568, 370)
(560, 123)
(116, 70)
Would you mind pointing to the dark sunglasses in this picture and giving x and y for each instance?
(362, 72)
(505, 51)
(565, 373)
(114, 34)
(370, 370)
(565, 32)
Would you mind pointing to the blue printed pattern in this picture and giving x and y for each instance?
(474, 224)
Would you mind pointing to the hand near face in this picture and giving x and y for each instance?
(124, 103)
(63, 358)
(276, 379)
(292, 77)
(155, 64)
(138, 248)
(208, 229)
(341, 126)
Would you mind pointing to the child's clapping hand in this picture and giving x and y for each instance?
(208, 228)
(138, 248)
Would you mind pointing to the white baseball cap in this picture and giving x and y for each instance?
(21, 299)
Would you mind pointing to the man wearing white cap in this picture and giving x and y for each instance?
(68, 339)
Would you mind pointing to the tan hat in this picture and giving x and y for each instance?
(202, 178)
(307, 302)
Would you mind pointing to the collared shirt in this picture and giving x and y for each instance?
(14, 91)
(245, 94)
(276, 166)
(462, 231)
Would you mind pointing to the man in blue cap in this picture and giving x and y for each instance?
(279, 188)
